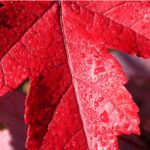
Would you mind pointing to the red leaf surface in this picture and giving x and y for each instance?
(76, 99)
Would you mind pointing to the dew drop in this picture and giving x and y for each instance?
(74, 144)
(110, 137)
(73, 7)
(143, 27)
(89, 61)
(103, 128)
(121, 116)
(76, 9)
(82, 55)
(103, 143)
(90, 96)
(96, 104)
(126, 125)
(104, 116)
(98, 70)
(100, 99)
(108, 148)
(98, 62)
(95, 145)
(91, 138)
(96, 56)
(116, 127)
(134, 107)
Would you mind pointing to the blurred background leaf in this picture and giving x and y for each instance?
(138, 72)
(12, 128)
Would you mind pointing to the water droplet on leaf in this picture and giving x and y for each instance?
(104, 116)
(98, 70)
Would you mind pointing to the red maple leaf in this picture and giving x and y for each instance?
(77, 100)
